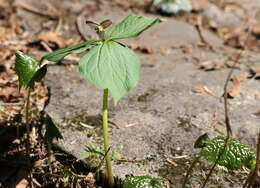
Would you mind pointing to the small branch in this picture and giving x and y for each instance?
(202, 39)
(227, 121)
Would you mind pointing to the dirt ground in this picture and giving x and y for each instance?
(178, 98)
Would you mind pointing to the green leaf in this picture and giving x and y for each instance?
(52, 131)
(235, 156)
(58, 55)
(113, 66)
(142, 182)
(39, 74)
(131, 26)
(25, 68)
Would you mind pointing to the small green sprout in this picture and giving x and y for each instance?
(141, 182)
(235, 156)
(109, 65)
(29, 71)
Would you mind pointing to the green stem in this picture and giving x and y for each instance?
(27, 107)
(105, 135)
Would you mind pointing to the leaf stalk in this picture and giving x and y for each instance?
(105, 136)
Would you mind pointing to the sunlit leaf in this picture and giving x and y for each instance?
(58, 55)
(113, 66)
(131, 26)
(25, 67)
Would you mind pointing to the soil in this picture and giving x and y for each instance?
(154, 127)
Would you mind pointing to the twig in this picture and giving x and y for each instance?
(46, 47)
(227, 121)
(189, 171)
(202, 39)
(171, 162)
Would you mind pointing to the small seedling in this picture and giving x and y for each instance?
(29, 71)
(109, 65)
(235, 156)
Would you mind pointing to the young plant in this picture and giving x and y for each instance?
(235, 156)
(109, 65)
(29, 71)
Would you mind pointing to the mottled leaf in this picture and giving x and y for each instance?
(235, 156)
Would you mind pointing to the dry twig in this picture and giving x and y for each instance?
(227, 120)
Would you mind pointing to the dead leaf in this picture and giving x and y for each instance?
(236, 82)
(255, 71)
(204, 90)
(52, 38)
(10, 93)
(90, 179)
(212, 65)
(42, 96)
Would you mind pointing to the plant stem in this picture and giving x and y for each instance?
(105, 135)
(27, 107)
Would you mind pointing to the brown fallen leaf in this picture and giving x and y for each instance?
(52, 38)
(212, 65)
(255, 71)
(42, 96)
(236, 82)
(204, 90)
(11, 94)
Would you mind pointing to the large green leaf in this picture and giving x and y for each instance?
(113, 66)
(58, 55)
(131, 26)
(52, 131)
(28, 70)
